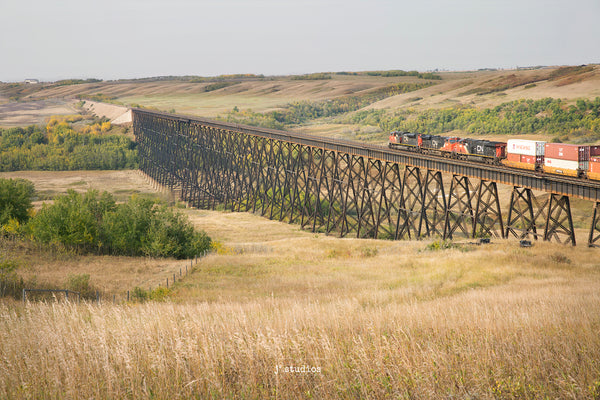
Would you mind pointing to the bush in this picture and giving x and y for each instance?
(81, 283)
(92, 222)
(437, 245)
(73, 220)
(15, 200)
(10, 282)
(550, 116)
(139, 294)
(159, 294)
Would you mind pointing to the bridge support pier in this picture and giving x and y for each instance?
(522, 217)
(459, 211)
(389, 201)
(434, 204)
(526, 214)
(410, 212)
(559, 214)
(595, 228)
(487, 211)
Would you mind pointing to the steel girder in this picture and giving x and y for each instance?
(333, 190)
(595, 229)
(527, 215)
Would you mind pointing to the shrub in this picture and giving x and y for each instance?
(10, 282)
(442, 245)
(159, 294)
(139, 294)
(73, 220)
(15, 200)
(81, 283)
(60, 147)
(92, 222)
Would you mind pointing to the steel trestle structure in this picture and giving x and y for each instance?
(349, 188)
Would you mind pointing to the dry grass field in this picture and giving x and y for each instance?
(277, 312)
(33, 112)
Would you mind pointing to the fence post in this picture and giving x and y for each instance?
(24, 296)
(114, 299)
(98, 297)
(180, 272)
(128, 296)
(167, 283)
(173, 278)
(67, 295)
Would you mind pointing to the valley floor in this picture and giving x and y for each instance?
(279, 312)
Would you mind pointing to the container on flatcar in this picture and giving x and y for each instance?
(594, 165)
(594, 168)
(521, 158)
(565, 167)
(594, 151)
(532, 159)
(525, 147)
(513, 157)
(568, 152)
(566, 164)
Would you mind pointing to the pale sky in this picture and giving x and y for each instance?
(112, 39)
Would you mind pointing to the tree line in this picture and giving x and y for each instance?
(579, 122)
(302, 111)
(59, 147)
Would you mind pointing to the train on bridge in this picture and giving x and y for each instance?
(553, 158)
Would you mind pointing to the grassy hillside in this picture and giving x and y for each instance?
(220, 96)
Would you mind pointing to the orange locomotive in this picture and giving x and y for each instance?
(466, 149)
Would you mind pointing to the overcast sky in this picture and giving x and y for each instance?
(112, 39)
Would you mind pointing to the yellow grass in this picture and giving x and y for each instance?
(529, 339)
(121, 184)
(366, 318)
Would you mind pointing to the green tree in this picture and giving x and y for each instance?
(15, 200)
(72, 220)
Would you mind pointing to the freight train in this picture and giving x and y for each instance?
(554, 158)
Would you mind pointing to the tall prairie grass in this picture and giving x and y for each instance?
(336, 318)
(523, 341)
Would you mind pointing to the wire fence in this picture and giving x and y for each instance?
(136, 294)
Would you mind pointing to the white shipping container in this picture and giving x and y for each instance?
(566, 164)
(525, 147)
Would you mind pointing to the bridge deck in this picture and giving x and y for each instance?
(567, 186)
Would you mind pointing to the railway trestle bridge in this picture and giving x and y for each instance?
(351, 188)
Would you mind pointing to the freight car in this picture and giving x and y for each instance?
(552, 158)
